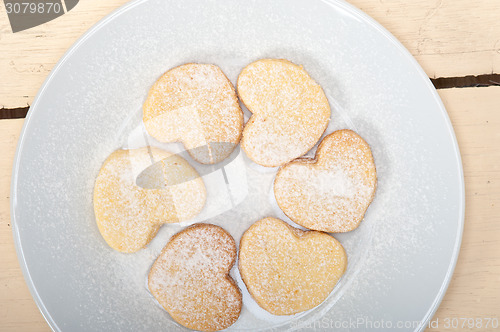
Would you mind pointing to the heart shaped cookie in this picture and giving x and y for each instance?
(332, 192)
(290, 111)
(195, 104)
(190, 278)
(287, 270)
(128, 216)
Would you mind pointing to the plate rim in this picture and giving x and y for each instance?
(332, 3)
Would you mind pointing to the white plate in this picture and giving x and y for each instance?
(400, 259)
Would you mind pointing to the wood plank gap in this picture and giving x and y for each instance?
(470, 81)
(14, 113)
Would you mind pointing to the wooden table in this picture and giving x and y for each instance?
(450, 38)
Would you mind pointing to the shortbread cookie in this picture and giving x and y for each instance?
(287, 270)
(195, 104)
(128, 216)
(332, 192)
(190, 278)
(290, 111)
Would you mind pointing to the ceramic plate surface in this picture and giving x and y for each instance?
(402, 256)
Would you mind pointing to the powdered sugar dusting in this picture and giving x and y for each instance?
(332, 193)
(334, 183)
(288, 270)
(290, 111)
(129, 216)
(195, 104)
(190, 278)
